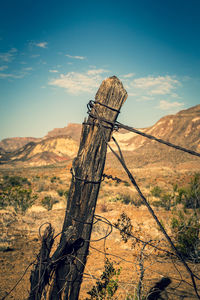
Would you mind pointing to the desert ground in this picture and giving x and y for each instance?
(134, 262)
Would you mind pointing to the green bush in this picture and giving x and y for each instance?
(156, 191)
(60, 192)
(107, 285)
(127, 199)
(185, 229)
(48, 202)
(15, 191)
(54, 179)
(166, 201)
(11, 181)
(190, 195)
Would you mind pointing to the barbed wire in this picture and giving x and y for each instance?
(122, 161)
(151, 137)
(117, 125)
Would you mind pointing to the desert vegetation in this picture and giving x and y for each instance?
(123, 256)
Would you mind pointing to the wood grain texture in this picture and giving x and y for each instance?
(89, 166)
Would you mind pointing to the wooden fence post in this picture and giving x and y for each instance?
(87, 171)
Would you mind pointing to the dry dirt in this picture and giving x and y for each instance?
(20, 241)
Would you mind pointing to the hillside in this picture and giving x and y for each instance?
(72, 129)
(47, 151)
(181, 129)
(61, 144)
(12, 144)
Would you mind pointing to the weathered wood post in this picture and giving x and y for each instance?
(87, 171)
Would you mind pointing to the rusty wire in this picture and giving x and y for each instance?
(117, 125)
(122, 161)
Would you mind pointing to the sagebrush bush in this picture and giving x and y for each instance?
(60, 192)
(185, 229)
(156, 191)
(190, 195)
(49, 201)
(15, 191)
(127, 199)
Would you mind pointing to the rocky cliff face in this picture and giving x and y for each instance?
(182, 128)
(12, 144)
(47, 151)
(72, 129)
(61, 144)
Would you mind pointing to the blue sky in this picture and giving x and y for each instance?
(55, 54)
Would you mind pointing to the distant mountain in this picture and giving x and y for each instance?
(45, 152)
(61, 144)
(72, 129)
(181, 129)
(12, 144)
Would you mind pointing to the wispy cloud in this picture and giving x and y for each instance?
(96, 71)
(76, 83)
(53, 71)
(28, 69)
(166, 105)
(41, 44)
(2, 68)
(10, 75)
(129, 75)
(160, 85)
(9, 55)
(18, 74)
(75, 56)
(35, 55)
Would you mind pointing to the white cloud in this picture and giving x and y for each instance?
(2, 68)
(96, 71)
(53, 71)
(161, 85)
(41, 45)
(165, 105)
(28, 69)
(128, 75)
(8, 56)
(76, 83)
(35, 55)
(76, 57)
(9, 75)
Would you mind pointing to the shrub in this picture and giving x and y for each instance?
(60, 192)
(166, 201)
(185, 228)
(107, 285)
(190, 195)
(54, 179)
(13, 193)
(127, 199)
(15, 181)
(48, 202)
(156, 191)
(124, 226)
